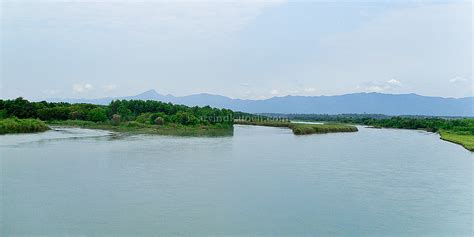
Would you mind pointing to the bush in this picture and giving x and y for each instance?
(116, 119)
(153, 118)
(186, 118)
(144, 118)
(159, 121)
(14, 125)
(3, 114)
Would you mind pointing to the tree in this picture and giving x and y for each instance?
(54, 113)
(144, 118)
(124, 112)
(97, 115)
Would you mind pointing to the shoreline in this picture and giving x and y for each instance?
(465, 141)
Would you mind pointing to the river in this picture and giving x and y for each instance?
(261, 181)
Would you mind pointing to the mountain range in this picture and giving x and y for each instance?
(358, 103)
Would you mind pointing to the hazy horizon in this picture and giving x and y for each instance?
(244, 49)
(168, 94)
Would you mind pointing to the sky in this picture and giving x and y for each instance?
(239, 49)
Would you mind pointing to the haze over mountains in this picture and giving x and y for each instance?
(371, 103)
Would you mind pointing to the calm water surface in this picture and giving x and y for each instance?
(261, 181)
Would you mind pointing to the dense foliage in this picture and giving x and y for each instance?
(15, 125)
(156, 112)
(146, 112)
(464, 126)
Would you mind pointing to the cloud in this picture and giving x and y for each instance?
(274, 92)
(376, 86)
(310, 89)
(165, 20)
(394, 82)
(82, 88)
(109, 87)
(376, 89)
(458, 80)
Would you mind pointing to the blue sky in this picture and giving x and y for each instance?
(243, 49)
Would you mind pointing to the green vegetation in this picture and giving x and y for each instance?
(15, 125)
(467, 141)
(125, 115)
(299, 128)
(303, 129)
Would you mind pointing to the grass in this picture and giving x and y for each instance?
(142, 128)
(465, 140)
(302, 129)
(14, 125)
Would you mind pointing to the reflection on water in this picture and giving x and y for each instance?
(261, 181)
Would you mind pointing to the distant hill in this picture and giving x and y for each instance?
(357, 103)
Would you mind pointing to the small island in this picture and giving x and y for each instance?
(134, 116)
(299, 128)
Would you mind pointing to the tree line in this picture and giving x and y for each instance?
(152, 112)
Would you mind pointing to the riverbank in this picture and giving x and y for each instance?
(14, 125)
(467, 141)
(141, 128)
(302, 128)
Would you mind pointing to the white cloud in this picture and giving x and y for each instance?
(374, 89)
(458, 80)
(110, 87)
(394, 82)
(82, 88)
(310, 89)
(377, 86)
(274, 92)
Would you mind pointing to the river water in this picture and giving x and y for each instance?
(261, 181)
